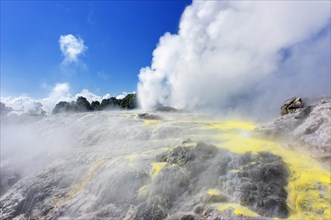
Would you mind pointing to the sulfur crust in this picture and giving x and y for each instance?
(150, 122)
(237, 209)
(156, 167)
(213, 192)
(309, 187)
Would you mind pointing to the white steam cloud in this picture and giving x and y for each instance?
(71, 47)
(240, 56)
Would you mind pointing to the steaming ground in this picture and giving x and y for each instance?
(115, 165)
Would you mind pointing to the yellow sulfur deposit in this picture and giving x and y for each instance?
(150, 122)
(213, 192)
(127, 115)
(229, 125)
(237, 209)
(156, 167)
(309, 187)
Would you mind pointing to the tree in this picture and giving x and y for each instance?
(82, 105)
(110, 103)
(129, 101)
(95, 105)
(62, 107)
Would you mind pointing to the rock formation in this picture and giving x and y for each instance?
(305, 124)
(186, 185)
(291, 105)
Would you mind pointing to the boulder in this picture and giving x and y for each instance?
(148, 116)
(291, 105)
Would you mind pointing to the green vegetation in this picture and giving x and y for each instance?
(82, 105)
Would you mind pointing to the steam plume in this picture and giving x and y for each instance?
(238, 53)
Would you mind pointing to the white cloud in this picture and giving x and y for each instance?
(60, 92)
(229, 56)
(71, 47)
(121, 96)
(23, 104)
(91, 96)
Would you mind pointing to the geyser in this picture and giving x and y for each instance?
(243, 57)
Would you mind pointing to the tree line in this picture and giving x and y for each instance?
(83, 105)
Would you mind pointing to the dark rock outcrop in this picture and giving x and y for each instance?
(148, 116)
(291, 105)
(256, 181)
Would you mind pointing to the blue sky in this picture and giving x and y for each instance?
(120, 37)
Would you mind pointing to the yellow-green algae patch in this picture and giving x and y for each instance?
(309, 187)
(237, 209)
(156, 167)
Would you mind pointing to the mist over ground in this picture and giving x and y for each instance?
(128, 165)
(241, 57)
(228, 62)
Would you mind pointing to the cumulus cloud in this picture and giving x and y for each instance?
(71, 48)
(91, 96)
(23, 104)
(60, 92)
(238, 56)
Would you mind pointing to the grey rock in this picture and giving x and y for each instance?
(175, 193)
(308, 128)
(291, 105)
(149, 116)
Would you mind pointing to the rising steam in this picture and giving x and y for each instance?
(247, 54)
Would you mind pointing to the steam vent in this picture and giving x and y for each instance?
(153, 166)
